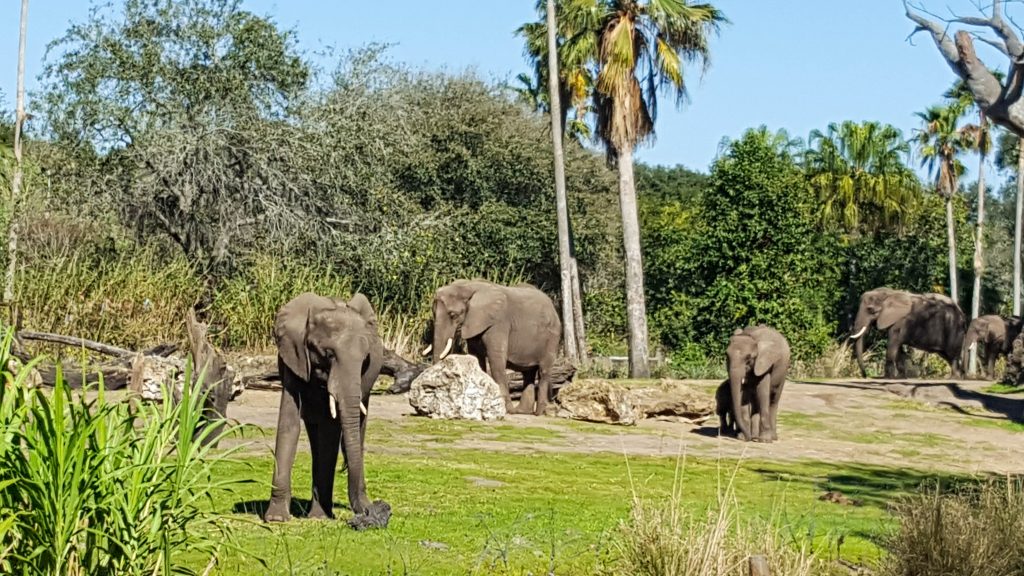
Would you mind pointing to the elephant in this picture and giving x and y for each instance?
(514, 327)
(757, 360)
(930, 322)
(723, 407)
(994, 336)
(329, 355)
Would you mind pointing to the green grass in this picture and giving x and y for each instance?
(803, 422)
(1000, 388)
(574, 502)
(996, 423)
(925, 440)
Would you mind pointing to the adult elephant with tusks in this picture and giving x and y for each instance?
(929, 322)
(329, 355)
(514, 327)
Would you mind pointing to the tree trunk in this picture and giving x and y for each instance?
(636, 309)
(979, 263)
(561, 202)
(951, 234)
(1017, 228)
(577, 312)
(16, 180)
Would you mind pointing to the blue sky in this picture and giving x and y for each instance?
(794, 64)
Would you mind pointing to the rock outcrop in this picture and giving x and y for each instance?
(457, 389)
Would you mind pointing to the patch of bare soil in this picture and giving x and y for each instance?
(951, 426)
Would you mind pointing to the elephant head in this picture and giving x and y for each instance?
(329, 342)
(751, 353)
(472, 305)
(882, 307)
(986, 329)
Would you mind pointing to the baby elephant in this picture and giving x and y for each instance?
(757, 360)
(723, 407)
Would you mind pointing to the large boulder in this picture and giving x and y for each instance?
(597, 401)
(674, 401)
(610, 403)
(457, 389)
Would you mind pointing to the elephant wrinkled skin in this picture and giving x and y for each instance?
(993, 336)
(504, 327)
(758, 360)
(329, 355)
(929, 322)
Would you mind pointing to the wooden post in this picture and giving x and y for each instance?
(759, 566)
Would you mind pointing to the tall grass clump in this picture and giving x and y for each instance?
(662, 539)
(966, 531)
(245, 304)
(133, 300)
(97, 487)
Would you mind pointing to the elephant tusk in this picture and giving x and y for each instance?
(426, 351)
(447, 349)
(859, 333)
(334, 407)
(362, 408)
(972, 346)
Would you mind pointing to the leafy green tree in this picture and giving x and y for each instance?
(641, 48)
(752, 253)
(183, 111)
(940, 143)
(860, 175)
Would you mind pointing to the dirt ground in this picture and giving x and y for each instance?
(950, 426)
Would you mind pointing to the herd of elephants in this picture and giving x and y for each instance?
(330, 354)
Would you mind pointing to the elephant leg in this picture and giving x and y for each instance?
(529, 396)
(544, 387)
(774, 409)
(893, 353)
(284, 452)
(990, 360)
(313, 425)
(497, 360)
(325, 459)
(762, 432)
(477, 350)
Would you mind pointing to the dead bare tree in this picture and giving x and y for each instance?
(19, 169)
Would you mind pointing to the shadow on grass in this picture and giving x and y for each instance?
(299, 507)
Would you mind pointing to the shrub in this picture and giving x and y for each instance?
(964, 531)
(84, 490)
(662, 539)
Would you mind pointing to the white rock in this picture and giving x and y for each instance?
(158, 372)
(457, 389)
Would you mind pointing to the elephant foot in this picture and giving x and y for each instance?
(277, 511)
(318, 513)
(521, 408)
(766, 439)
(377, 515)
(540, 409)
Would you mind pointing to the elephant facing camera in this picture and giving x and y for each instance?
(376, 516)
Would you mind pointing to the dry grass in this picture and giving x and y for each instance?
(967, 531)
(663, 539)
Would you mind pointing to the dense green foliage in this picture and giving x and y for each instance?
(83, 490)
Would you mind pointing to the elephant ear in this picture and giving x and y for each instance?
(361, 304)
(486, 308)
(893, 310)
(290, 336)
(769, 353)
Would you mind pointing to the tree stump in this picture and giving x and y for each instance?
(210, 375)
(759, 566)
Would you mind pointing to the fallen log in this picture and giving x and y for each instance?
(402, 370)
(75, 342)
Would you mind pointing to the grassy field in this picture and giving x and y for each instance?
(479, 512)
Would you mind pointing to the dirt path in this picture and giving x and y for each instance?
(936, 426)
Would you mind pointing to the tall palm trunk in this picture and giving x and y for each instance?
(979, 262)
(561, 202)
(951, 234)
(16, 180)
(1017, 228)
(636, 308)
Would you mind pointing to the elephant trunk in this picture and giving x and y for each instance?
(444, 339)
(860, 329)
(345, 390)
(859, 351)
(737, 375)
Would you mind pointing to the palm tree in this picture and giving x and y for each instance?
(980, 138)
(1009, 158)
(940, 143)
(16, 180)
(642, 46)
(860, 176)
